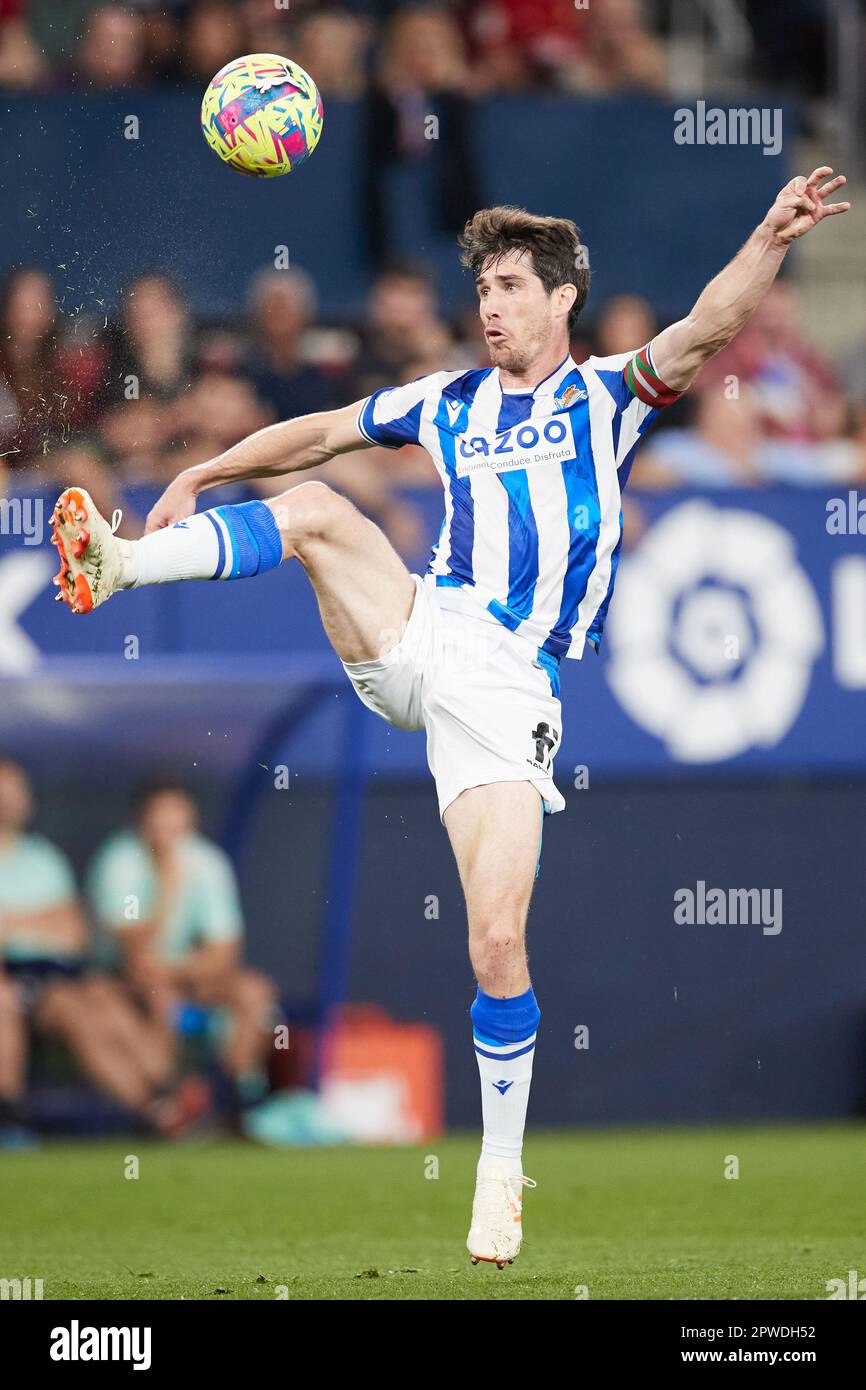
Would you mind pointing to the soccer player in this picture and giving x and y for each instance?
(533, 453)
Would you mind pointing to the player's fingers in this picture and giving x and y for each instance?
(833, 208)
(818, 174)
(831, 186)
(803, 204)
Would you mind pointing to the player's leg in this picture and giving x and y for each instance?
(495, 833)
(363, 587)
(364, 591)
(252, 1001)
(128, 1031)
(65, 1012)
(13, 1063)
(143, 1057)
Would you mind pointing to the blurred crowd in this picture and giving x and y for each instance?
(470, 46)
(131, 397)
(126, 403)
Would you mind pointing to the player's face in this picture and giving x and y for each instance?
(16, 803)
(520, 319)
(167, 819)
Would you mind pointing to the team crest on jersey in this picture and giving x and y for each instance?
(571, 393)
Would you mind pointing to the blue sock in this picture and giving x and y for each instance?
(225, 543)
(504, 1035)
(248, 539)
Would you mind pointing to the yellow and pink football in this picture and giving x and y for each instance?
(262, 115)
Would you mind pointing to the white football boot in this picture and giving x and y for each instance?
(496, 1232)
(91, 558)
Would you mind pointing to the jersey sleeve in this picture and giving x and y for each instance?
(392, 415)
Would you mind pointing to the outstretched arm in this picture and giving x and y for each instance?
(729, 300)
(286, 447)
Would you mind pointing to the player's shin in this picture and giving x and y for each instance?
(504, 1036)
(234, 542)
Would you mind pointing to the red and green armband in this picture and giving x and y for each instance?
(641, 380)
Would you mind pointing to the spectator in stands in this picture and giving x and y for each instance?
(48, 387)
(796, 389)
(169, 898)
(331, 44)
(720, 450)
(22, 64)
(133, 436)
(281, 308)
(601, 47)
(111, 53)
(402, 320)
(214, 34)
(727, 447)
(519, 43)
(152, 349)
(266, 23)
(625, 323)
(419, 112)
(620, 54)
(161, 41)
(215, 413)
(151, 353)
(44, 987)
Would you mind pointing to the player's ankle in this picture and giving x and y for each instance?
(497, 1162)
(128, 564)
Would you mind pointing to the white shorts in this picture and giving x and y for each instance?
(487, 705)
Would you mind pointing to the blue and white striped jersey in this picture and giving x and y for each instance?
(532, 479)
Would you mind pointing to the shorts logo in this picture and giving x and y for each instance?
(545, 740)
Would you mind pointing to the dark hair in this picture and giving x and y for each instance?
(147, 791)
(558, 255)
(406, 268)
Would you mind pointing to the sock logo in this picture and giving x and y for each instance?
(502, 1086)
(180, 526)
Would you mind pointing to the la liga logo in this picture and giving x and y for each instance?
(714, 632)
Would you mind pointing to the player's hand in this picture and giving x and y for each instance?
(801, 205)
(175, 504)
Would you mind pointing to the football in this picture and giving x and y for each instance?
(262, 115)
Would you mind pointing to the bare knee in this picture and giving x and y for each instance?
(309, 514)
(497, 950)
(64, 1011)
(102, 991)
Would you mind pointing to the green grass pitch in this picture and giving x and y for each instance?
(644, 1214)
